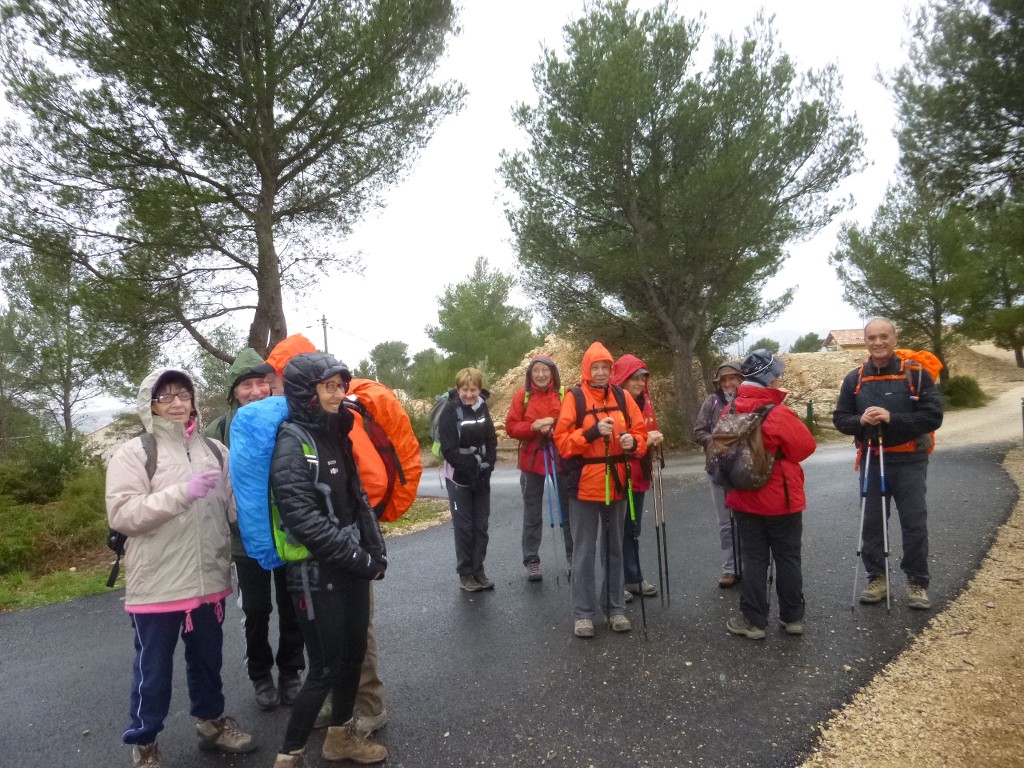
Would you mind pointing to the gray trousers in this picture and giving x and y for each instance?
(906, 484)
(532, 486)
(592, 521)
(471, 511)
(725, 529)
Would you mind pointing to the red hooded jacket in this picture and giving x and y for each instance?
(585, 442)
(622, 371)
(542, 404)
(782, 430)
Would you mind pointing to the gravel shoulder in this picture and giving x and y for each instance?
(956, 696)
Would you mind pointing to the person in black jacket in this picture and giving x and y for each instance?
(331, 588)
(469, 445)
(898, 401)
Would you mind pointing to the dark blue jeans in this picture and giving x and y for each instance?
(156, 636)
(762, 539)
(906, 484)
(336, 643)
(631, 541)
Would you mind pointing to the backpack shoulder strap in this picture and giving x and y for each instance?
(620, 400)
(215, 450)
(222, 426)
(581, 404)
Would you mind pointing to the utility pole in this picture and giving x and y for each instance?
(323, 322)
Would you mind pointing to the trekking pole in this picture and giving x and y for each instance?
(658, 512)
(863, 505)
(659, 495)
(636, 538)
(607, 528)
(551, 489)
(558, 499)
(885, 513)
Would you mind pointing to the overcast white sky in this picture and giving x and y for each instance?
(448, 212)
(448, 209)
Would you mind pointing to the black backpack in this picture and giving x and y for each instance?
(116, 539)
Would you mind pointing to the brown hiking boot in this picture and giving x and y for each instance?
(917, 597)
(875, 590)
(291, 760)
(223, 735)
(344, 743)
(146, 756)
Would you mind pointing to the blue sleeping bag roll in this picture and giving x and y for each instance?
(253, 436)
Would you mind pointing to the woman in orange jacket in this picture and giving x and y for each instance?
(599, 427)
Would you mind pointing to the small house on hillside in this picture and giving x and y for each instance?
(850, 338)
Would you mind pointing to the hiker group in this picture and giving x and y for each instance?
(318, 458)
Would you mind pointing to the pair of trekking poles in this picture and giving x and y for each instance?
(661, 533)
(873, 444)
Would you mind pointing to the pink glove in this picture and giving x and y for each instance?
(202, 483)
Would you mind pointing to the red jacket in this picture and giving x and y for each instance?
(519, 424)
(584, 441)
(622, 370)
(781, 430)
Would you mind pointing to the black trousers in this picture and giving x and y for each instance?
(255, 583)
(336, 642)
(763, 538)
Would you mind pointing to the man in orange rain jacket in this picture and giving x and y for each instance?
(598, 428)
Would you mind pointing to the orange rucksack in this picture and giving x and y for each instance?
(391, 437)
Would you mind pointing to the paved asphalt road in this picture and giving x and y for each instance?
(497, 679)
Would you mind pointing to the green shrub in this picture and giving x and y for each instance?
(421, 427)
(38, 474)
(962, 392)
(32, 536)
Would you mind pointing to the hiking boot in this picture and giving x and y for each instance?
(291, 760)
(368, 725)
(323, 719)
(628, 596)
(146, 756)
(223, 735)
(483, 581)
(620, 623)
(727, 580)
(875, 590)
(289, 685)
(469, 584)
(583, 628)
(917, 597)
(343, 743)
(533, 571)
(738, 625)
(644, 588)
(266, 692)
(792, 627)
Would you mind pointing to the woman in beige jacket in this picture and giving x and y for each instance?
(171, 496)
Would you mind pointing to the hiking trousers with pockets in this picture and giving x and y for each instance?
(471, 511)
(906, 483)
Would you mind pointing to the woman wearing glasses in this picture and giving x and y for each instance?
(324, 508)
(173, 501)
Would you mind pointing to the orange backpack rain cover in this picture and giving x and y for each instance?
(406, 463)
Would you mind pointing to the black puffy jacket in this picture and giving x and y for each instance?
(349, 543)
(469, 442)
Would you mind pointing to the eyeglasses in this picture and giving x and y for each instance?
(332, 386)
(168, 397)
